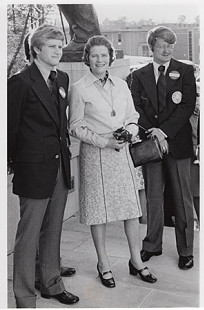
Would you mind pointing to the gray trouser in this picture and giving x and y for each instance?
(179, 175)
(40, 223)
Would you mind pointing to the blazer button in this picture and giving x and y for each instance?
(156, 116)
(56, 156)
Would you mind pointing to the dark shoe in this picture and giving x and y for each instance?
(64, 297)
(67, 271)
(185, 262)
(145, 255)
(106, 282)
(148, 278)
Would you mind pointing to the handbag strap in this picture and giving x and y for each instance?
(137, 126)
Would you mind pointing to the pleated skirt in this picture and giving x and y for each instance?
(108, 185)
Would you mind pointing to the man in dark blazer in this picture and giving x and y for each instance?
(38, 149)
(64, 270)
(165, 104)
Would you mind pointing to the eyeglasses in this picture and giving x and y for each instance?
(163, 47)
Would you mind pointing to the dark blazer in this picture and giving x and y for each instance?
(37, 133)
(174, 118)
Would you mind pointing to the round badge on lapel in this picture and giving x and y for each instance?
(176, 97)
(62, 92)
(174, 75)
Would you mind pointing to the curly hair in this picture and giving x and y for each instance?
(160, 32)
(98, 41)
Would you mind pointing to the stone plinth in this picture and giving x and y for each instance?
(76, 56)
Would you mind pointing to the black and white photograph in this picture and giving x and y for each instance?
(100, 158)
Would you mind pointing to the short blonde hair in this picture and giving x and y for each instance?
(42, 34)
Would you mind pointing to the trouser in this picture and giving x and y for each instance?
(40, 223)
(178, 172)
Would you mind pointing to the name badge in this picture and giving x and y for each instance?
(62, 92)
(174, 75)
(176, 97)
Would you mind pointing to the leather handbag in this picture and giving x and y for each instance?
(145, 151)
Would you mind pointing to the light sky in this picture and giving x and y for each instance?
(159, 11)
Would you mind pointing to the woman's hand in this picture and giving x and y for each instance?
(115, 144)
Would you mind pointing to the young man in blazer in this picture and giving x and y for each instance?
(38, 149)
(165, 105)
(64, 270)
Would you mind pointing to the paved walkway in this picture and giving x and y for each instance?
(174, 288)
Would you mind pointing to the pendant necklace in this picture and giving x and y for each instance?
(113, 113)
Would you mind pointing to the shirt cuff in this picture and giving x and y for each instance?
(162, 133)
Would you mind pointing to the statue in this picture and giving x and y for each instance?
(83, 24)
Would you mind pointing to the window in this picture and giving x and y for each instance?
(119, 39)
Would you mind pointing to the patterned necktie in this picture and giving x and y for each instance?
(51, 79)
(52, 84)
(161, 89)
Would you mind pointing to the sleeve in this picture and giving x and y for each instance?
(185, 108)
(132, 115)
(77, 123)
(135, 87)
(16, 100)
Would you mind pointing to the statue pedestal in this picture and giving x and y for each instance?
(71, 56)
(76, 70)
(76, 56)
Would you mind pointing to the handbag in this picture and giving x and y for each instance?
(145, 151)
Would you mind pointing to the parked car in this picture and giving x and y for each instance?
(136, 62)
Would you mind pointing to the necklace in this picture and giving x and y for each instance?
(105, 78)
(113, 113)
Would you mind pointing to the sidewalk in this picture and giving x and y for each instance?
(174, 288)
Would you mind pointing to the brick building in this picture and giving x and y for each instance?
(133, 41)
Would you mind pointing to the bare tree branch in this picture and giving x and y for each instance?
(20, 44)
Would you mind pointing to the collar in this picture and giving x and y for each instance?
(91, 78)
(156, 66)
(43, 70)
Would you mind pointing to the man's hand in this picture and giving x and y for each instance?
(164, 146)
(162, 141)
(155, 132)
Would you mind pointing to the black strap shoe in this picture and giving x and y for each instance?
(186, 262)
(106, 282)
(147, 278)
(67, 271)
(145, 255)
(64, 297)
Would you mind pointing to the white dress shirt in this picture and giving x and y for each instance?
(91, 105)
(156, 71)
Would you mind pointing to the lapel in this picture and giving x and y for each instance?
(173, 66)
(62, 96)
(147, 78)
(42, 92)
